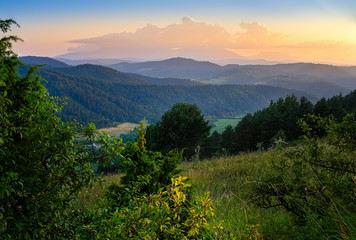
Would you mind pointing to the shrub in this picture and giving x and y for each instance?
(41, 166)
(166, 214)
(316, 181)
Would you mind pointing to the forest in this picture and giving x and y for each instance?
(104, 96)
(287, 171)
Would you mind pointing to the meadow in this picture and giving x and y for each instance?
(122, 128)
(228, 180)
(231, 182)
(220, 123)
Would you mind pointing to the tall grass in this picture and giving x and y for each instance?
(229, 181)
(93, 197)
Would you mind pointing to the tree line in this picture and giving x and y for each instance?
(278, 121)
(184, 126)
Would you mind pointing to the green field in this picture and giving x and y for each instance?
(220, 123)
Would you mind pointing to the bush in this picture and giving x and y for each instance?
(316, 181)
(166, 214)
(41, 166)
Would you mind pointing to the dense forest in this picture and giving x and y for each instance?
(104, 96)
(277, 122)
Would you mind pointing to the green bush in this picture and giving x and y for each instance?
(41, 166)
(166, 214)
(316, 181)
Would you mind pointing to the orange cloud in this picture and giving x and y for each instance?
(203, 41)
(190, 36)
(256, 35)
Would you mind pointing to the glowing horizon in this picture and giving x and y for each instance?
(320, 31)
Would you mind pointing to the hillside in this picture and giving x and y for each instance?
(104, 96)
(320, 80)
(173, 68)
(49, 62)
(103, 101)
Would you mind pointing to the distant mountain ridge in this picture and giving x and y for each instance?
(104, 96)
(320, 80)
(50, 62)
(173, 67)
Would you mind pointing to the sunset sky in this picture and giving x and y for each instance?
(277, 30)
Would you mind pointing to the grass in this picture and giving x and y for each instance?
(122, 128)
(94, 196)
(229, 181)
(221, 123)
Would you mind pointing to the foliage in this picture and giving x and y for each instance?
(211, 146)
(160, 215)
(41, 166)
(229, 179)
(227, 139)
(279, 120)
(100, 95)
(145, 171)
(181, 127)
(316, 181)
(150, 203)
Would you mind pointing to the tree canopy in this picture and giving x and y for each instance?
(181, 127)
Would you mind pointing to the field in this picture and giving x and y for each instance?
(220, 124)
(122, 128)
(229, 180)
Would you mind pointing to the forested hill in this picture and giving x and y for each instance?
(104, 102)
(48, 62)
(104, 96)
(320, 80)
(174, 67)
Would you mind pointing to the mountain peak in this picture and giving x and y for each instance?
(49, 62)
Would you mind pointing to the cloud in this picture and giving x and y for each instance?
(256, 35)
(321, 44)
(189, 37)
(155, 42)
(198, 40)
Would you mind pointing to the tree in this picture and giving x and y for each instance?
(41, 166)
(211, 146)
(227, 139)
(181, 127)
(321, 108)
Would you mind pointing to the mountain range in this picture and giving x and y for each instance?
(320, 80)
(106, 96)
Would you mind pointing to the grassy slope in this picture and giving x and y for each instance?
(229, 181)
(221, 123)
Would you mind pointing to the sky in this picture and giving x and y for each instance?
(319, 31)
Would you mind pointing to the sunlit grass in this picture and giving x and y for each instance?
(229, 181)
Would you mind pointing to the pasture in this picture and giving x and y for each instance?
(220, 123)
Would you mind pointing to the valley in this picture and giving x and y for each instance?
(130, 92)
(104, 96)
